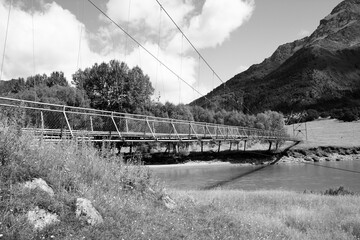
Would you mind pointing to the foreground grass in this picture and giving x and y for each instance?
(275, 214)
(129, 199)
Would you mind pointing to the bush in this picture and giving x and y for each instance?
(324, 114)
(338, 192)
(312, 114)
(349, 116)
(336, 113)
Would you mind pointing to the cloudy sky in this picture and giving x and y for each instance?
(65, 35)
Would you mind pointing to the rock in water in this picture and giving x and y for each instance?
(40, 218)
(39, 183)
(86, 211)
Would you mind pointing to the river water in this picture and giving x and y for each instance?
(285, 176)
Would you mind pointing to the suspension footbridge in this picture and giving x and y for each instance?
(53, 122)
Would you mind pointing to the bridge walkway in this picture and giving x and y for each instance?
(54, 122)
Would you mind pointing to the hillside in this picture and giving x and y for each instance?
(321, 71)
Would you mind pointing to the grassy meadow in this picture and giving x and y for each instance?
(328, 132)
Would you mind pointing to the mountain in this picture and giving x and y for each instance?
(321, 71)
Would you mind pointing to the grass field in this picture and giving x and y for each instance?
(129, 199)
(328, 132)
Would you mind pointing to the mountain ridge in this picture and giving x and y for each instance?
(306, 73)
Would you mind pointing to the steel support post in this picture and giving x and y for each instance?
(91, 124)
(116, 127)
(126, 125)
(270, 145)
(176, 133)
(67, 121)
(151, 131)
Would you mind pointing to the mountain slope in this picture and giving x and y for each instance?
(321, 71)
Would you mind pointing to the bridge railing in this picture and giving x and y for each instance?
(59, 121)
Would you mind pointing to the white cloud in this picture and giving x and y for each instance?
(56, 42)
(218, 20)
(207, 27)
(57, 34)
(303, 33)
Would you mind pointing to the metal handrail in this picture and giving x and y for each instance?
(233, 130)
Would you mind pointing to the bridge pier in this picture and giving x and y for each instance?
(270, 145)
(244, 145)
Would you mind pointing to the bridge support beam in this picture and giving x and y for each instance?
(244, 145)
(270, 145)
(219, 146)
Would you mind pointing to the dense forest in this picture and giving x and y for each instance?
(114, 86)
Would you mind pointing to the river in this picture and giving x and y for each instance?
(285, 176)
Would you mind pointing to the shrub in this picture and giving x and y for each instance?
(338, 192)
(312, 114)
(349, 116)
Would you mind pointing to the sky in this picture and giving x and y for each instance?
(66, 35)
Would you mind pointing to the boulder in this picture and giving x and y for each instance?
(40, 184)
(85, 211)
(297, 155)
(40, 218)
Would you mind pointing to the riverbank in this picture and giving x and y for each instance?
(321, 154)
(235, 157)
(259, 157)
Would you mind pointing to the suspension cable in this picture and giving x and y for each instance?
(127, 29)
(33, 47)
(181, 63)
(177, 26)
(6, 34)
(146, 50)
(199, 54)
(158, 49)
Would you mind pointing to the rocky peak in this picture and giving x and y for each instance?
(348, 5)
(340, 29)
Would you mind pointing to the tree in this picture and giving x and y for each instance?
(113, 86)
(36, 80)
(202, 115)
(56, 78)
